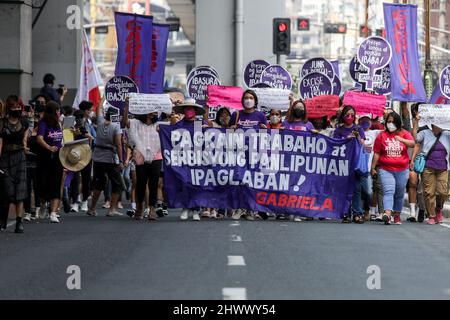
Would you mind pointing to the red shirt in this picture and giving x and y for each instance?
(393, 154)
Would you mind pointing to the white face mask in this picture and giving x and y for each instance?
(274, 119)
(391, 127)
(249, 103)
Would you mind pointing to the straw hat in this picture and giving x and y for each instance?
(75, 157)
(199, 110)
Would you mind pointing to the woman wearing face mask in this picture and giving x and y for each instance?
(13, 145)
(222, 119)
(190, 110)
(249, 118)
(275, 119)
(346, 129)
(297, 118)
(144, 136)
(392, 159)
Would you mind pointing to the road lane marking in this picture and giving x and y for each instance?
(445, 225)
(234, 293)
(234, 224)
(236, 238)
(236, 261)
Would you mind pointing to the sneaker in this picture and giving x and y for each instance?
(421, 216)
(33, 216)
(184, 214)
(205, 214)
(213, 214)
(297, 219)
(146, 213)
(281, 217)
(237, 214)
(91, 213)
(196, 216)
(378, 217)
(119, 205)
(54, 218)
(386, 219)
(107, 205)
(84, 206)
(159, 212)
(397, 219)
(75, 207)
(114, 214)
(431, 221)
(43, 213)
(27, 217)
(249, 216)
(165, 212)
(439, 216)
(131, 213)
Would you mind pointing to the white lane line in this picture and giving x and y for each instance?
(236, 261)
(234, 224)
(445, 225)
(234, 293)
(236, 238)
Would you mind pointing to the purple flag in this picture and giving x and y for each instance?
(134, 48)
(159, 52)
(437, 97)
(401, 30)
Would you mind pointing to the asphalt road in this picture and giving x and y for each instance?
(171, 259)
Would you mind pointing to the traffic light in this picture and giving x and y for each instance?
(302, 24)
(362, 31)
(335, 28)
(282, 36)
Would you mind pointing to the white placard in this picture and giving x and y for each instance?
(273, 98)
(141, 103)
(437, 114)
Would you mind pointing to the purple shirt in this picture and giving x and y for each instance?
(252, 120)
(298, 125)
(342, 133)
(52, 136)
(437, 157)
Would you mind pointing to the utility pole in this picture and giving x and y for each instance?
(366, 25)
(428, 73)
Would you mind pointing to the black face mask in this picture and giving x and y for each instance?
(154, 119)
(299, 113)
(15, 113)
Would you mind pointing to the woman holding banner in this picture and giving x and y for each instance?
(144, 136)
(392, 159)
(347, 129)
(434, 146)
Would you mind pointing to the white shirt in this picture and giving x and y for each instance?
(145, 139)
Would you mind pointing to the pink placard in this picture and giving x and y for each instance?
(365, 103)
(227, 96)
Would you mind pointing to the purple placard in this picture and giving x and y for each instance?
(373, 53)
(444, 82)
(253, 72)
(198, 85)
(203, 70)
(337, 86)
(315, 84)
(317, 65)
(117, 90)
(277, 77)
(383, 87)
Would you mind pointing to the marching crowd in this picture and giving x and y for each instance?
(40, 175)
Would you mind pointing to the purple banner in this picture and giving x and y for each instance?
(285, 172)
(134, 48)
(253, 72)
(315, 84)
(159, 53)
(401, 31)
(277, 77)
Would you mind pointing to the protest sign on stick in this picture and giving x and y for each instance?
(365, 103)
(437, 114)
(228, 96)
(140, 103)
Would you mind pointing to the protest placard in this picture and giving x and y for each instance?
(273, 98)
(437, 114)
(365, 103)
(253, 71)
(320, 106)
(228, 96)
(277, 77)
(117, 90)
(147, 103)
(315, 84)
(444, 82)
(198, 82)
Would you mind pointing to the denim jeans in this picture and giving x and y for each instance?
(362, 185)
(394, 187)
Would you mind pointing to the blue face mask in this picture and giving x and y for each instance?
(365, 125)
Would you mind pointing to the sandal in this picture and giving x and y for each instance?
(358, 219)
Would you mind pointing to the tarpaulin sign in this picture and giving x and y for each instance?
(322, 106)
(365, 103)
(227, 96)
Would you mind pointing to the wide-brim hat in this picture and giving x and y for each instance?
(75, 157)
(199, 110)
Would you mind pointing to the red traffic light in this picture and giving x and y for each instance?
(303, 24)
(282, 27)
(342, 28)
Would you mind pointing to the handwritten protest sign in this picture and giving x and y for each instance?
(320, 106)
(374, 53)
(228, 96)
(318, 65)
(365, 103)
(273, 98)
(286, 172)
(117, 90)
(277, 77)
(437, 114)
(147, 103)
(253, 71)
(198, 82)
(444, 82)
